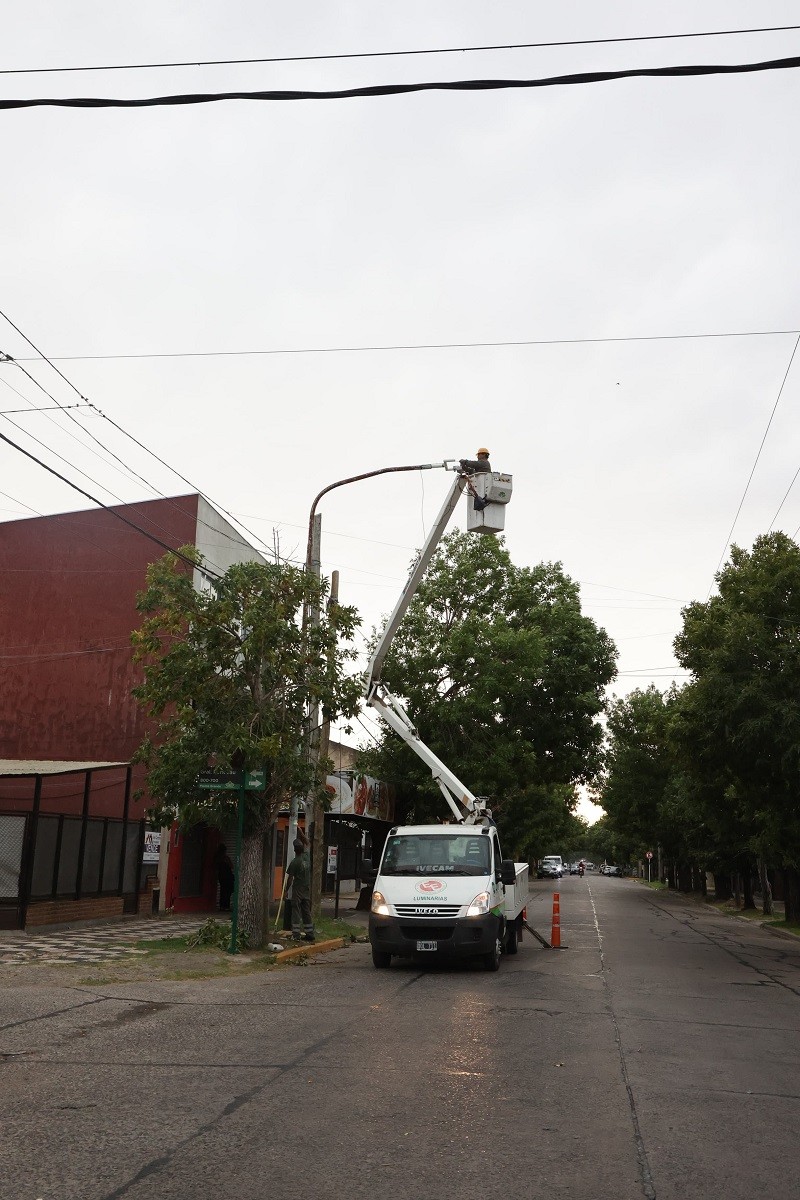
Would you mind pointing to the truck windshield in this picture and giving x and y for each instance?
(436, 854)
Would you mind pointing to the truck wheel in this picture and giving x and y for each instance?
(380, 958)
(511, 937)
(491, 961)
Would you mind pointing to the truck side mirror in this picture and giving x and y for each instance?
(368, 873)
(508, 871)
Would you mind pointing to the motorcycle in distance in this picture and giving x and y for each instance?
(581, 869)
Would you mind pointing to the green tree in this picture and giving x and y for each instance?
(503, 677)
(229, 677)
(638, 766)
(644, 792)
(741, 720)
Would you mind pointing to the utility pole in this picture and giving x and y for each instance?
(311, 618)
(313, 567)
(323, 748)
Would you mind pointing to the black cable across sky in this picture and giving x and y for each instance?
(401, 89)
(109, 508)
(43, 358)
(755, 464)
(576, 341)
(293, 58)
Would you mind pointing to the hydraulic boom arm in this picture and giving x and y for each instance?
(466, 807)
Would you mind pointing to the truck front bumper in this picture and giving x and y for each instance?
(461, 938)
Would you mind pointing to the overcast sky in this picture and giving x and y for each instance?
(629, 210)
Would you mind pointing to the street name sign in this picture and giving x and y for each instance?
(220, 781)
(231, 781)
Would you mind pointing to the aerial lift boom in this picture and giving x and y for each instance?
(488, 494)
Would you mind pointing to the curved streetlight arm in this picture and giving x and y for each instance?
(355, 479)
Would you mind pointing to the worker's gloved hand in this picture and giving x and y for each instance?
(474, 466)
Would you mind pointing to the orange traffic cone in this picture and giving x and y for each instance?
(555, 935)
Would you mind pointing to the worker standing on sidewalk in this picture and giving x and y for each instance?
(299, 876)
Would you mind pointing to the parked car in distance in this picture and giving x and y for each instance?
(573, 868)
(554, 860)
(547, 870)
(617, 871)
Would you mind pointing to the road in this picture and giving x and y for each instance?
(656, 1056)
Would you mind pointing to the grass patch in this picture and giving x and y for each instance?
(157, 945)
(789, 927)
(655, 885)
(731, 909)
(324, 929)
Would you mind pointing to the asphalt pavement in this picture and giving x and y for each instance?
(656, 1057)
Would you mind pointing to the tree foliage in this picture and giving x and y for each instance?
(503, 677)
(741, 726)
(712, 770)
(229, 676)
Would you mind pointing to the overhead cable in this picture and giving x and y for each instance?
(683, 71)
(293, 58)
(110, 508)
(755, 464)
(577, 341)
(42, 356)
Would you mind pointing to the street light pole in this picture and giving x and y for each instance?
(311, 616)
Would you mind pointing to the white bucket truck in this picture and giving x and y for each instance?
(444, 891)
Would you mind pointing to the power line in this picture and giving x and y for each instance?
(69, 462)
(755, 463)
(292, 58)
(109, 508)
(683, 71)
(9, 412)
(123, 467)
(42, 356)
(94, 545)
(578, 341)
(783, 501)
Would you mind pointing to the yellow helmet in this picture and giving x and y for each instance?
(483, 450)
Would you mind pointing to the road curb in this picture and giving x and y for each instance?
(682, 897)
(312, 948)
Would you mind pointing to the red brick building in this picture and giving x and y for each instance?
(68, 588)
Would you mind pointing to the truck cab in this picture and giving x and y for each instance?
(444, 891)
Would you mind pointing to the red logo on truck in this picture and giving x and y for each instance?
(429, 885)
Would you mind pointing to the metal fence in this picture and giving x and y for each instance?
(53, 856)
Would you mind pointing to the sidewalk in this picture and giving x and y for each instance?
(92, 943)
(103, 941)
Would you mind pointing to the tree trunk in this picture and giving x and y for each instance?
(251, 889)
(791, 894)
(722, 886)
(266, 880)
(747, 888)
(766, 890)
(317, 859)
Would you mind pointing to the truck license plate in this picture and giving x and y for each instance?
(427, 945)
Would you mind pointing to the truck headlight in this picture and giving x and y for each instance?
(479, 905)
(379, 904)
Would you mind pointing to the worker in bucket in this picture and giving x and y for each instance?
(299, 876)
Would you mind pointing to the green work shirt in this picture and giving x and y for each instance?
(299, 872)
